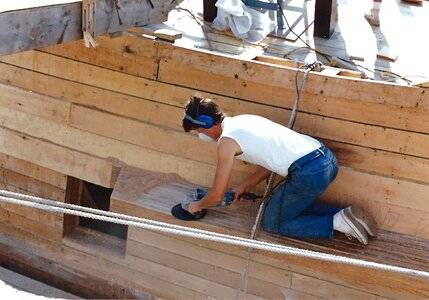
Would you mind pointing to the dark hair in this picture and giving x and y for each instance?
(197, 106)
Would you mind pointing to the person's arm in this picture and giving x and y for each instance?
(225, 153)
(247, 185)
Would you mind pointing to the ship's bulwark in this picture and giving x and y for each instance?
(69, 112)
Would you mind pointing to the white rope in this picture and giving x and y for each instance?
(157, 226)
(255, 229)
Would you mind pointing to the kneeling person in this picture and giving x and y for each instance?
(308, 165)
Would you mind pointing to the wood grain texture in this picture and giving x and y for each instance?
(388, 248)
(55, 157)
(34, 171)
(37, 27)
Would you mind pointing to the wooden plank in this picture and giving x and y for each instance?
(34, 171)
(382, 189)
(26, 224)
(366, 280)
(361, 110)
(42, 26)
(180, 278)
(35, 257)
(391, 164)
(258, 271)
(105, 148)
(33, 186)
(255, 80)
(392, 249)
(347, 189)
(34, 104)
(292, 64)
(403, 117)
(56, 158)
(35, 215)
(122, 104)
(296, 295)
(395, 213)
(208, 271)
(381, 162)
(398, 141)
(143, 134)
(68, 260)
(163, 33)
(387, 53)
(163, 193)
(328, 290)
(124, 54)
(73, 196)
(43, 217)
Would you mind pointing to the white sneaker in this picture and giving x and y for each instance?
(364, 219)
(347, 224)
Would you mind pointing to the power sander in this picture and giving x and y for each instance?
(180, 211)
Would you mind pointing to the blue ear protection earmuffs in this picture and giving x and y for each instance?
(203, 121)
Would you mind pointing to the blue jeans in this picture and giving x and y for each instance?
(292, 210)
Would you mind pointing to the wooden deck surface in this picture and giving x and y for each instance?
(401, 34)
(195, 261)
(388, 248)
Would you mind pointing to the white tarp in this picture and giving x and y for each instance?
(245, 22)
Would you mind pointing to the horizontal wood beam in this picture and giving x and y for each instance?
(30, 28)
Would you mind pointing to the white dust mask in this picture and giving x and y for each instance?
(204, 137)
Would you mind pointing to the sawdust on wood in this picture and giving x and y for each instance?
(133, 183)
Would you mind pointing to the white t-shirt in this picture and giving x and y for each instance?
(266, 143)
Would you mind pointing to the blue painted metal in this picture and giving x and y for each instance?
(278, 6)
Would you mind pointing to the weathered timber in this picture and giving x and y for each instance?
(398, 141)
(33, 186)
(34, 227)
(125, 54)
(259, 82)
(36, 27)
(34, 171)
(381, 162)
(274, 113)
(359, 157)
(176, 255)
(163, 34)
(57, 158)
(95, 245)
(105, 148)
(156, 203)
(324, 70)
(34, 104)
(59, 265)
(38, 216)
(259, 271)
(186, 280)
(398, 115)
(366, 159)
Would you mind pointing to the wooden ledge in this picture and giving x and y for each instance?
(163, 191)
(152, 195)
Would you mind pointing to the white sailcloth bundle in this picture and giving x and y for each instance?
(245, 22)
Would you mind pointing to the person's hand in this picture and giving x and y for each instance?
(193, 207)
(242, 188)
